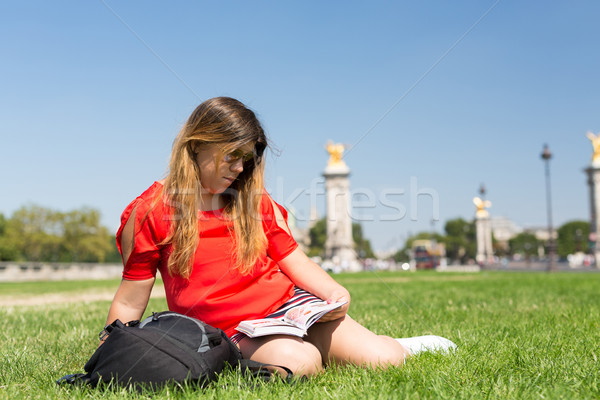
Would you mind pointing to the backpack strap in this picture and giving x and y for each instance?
(260, 370)
(108, 328)
(73, 379)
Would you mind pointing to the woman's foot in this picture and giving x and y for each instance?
(419, 344)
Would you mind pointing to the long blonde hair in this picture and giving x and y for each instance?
(228, 123)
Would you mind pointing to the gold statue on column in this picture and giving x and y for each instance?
(481, 207)
(336, 152)
(595, 139)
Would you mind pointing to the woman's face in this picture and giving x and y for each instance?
(219, 170)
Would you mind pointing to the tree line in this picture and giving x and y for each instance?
(35, 233)
(318, 234)
(460, 242)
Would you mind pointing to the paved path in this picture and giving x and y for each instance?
(68, 297)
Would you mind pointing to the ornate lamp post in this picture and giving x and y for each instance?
(546, 156)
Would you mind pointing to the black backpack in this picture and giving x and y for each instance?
(166, 347)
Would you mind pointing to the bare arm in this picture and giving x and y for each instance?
(130, 301)
(132, 297)
(311, 277)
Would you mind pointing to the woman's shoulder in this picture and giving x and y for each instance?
(273, 212)
(153, 191)
(147, 209)
(266, 202)
(147, 201)
(270, 205)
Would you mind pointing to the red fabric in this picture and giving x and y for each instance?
(215, 292)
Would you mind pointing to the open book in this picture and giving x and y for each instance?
(296, 321)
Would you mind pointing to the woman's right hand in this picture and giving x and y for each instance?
(338, 295)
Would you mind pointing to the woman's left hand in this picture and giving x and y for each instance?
(337, 295)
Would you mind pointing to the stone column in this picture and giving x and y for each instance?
(483, 229)
(339, 245)
(593, 173)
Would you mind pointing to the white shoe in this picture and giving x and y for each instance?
(419, 344)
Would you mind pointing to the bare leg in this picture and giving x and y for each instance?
(302, 357)
(346, 341)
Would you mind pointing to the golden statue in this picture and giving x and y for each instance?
(481, 207)
(596, 144)
(336, 152)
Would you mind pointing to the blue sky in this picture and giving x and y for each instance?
(434, 98)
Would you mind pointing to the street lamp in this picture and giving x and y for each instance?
(546, 156)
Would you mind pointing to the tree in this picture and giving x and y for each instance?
(524, 243)
(460, 240)
(572, 238)
(35, 233)
(361, 245)
(113, 256)
(84, 238)
(318, 235)
(8, 247)
(424, 236)
(403, 255)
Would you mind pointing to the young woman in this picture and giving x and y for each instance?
(225, 252)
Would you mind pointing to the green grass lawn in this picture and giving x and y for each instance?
(520, 335)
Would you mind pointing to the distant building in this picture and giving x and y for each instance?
(541, 233)
(503, 230)
(385, 254)
(427, 254)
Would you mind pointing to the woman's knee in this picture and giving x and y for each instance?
(388, 352)
(301, 357)
(304, 359)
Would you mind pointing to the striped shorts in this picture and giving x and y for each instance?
(299, 298)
